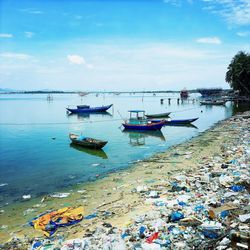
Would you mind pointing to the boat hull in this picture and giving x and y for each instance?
(89, 110)
(144, 127)
(176, 122)
(158, 115)
(87, 142)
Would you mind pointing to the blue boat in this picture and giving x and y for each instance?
(176, 122)
(88, 109)
(141, 123)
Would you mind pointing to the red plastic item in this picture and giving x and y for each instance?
(153, 237)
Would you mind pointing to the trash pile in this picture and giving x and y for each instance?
(203, 208)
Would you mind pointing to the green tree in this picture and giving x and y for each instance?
(238, 74)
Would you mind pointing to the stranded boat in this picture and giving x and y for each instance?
(87, 141)
(140, 122)
(88, 109)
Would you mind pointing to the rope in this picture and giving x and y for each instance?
(56, 123)
(80, 122)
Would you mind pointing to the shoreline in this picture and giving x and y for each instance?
(118, 193)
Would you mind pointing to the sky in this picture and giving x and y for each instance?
(120, 45)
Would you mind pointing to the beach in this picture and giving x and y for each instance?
(120, 200)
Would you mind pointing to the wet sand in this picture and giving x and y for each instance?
(116, 193)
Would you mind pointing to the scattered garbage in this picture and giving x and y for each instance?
(50, 221)
(26, 196)
(207, 208)
(59, 195)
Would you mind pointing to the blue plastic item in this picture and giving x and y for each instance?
(36, 245)
(237, 188)
(90, 216)
(199, 208)
(175, 216)
(210, 234)
(124, 235)
(224, 214)
(142, 230)
(182, 203)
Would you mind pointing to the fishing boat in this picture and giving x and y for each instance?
(140, 122)
(162, 115)
(213, 102)
(88, 109)
(176, 122)
(86, 141)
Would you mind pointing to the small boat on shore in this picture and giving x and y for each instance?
(88, 109)
(213, 102)
(141, 123)
(87, 141)
(176, 122)
(162, 115)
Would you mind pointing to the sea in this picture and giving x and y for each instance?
(36, 154)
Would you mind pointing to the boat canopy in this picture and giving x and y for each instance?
(136, 111)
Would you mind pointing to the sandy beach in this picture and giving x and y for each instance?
(119, 198)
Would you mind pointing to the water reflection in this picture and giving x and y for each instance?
(82, 116)
(139, 138)
(189, 125)
(96, 152)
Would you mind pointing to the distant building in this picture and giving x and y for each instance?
(184, 93)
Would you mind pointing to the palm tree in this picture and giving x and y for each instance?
(238, 74)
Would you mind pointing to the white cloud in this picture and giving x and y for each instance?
(31, 11)
(209, 40)
(18, 56)
(235, 12)
(36, 12)
(28, 34)
(76, 59)
(243, 33)
(5, 35)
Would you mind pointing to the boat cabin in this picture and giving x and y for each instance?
(137, 117)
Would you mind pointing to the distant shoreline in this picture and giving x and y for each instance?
(99, 92)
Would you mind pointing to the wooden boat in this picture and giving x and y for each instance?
(176, 122)
(162, 115)
(213, 102)
(141, 123)
(95, 152)
(88, 109)
(87, 141)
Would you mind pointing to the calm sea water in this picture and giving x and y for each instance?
(37, 158)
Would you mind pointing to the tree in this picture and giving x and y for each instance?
(238, 74)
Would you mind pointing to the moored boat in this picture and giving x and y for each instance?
(213, 102)
(141, 123)
(176, 122)
(88, 109)
(87, 141)
(162, 115)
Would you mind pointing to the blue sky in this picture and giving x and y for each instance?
(120, 44)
